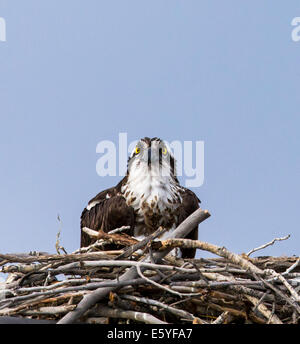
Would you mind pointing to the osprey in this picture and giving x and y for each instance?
(148, 196)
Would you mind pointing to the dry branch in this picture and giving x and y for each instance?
(104, 311)
(267, 244)
(220, 251)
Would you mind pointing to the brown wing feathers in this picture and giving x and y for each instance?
(190, 203)
(106, 214)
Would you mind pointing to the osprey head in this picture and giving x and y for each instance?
(152, 156)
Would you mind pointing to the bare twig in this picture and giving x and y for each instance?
(221, 318)
(220, 251)
(292, 267)
(49, 310)
(268, 244)
(138, 267)
(264, 310)
(90, 232)
(104, 311)
(57, 243)
(119, 230)
(278, 276)
(142, 243)
(178, 312)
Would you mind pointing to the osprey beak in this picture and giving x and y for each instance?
(149, 156)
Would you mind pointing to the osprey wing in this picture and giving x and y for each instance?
(106, 211)
(190, 203)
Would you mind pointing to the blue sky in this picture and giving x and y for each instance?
(74, 72)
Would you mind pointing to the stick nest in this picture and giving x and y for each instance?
(230, 288)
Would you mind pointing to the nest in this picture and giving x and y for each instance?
(142, 282)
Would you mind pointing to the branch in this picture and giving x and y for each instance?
(63, 258)
(53, 310)
(117, 239)
(90, 232)
(142, 243)
(278, 276)
(138, 267)
(221, 318)
(267, 244)
(179, 312)
(272, 318)
(104, 311)
(220, 251)
(292, 267)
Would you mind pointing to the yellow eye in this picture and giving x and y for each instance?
(137, 150)
(164, 151)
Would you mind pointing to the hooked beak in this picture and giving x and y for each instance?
(149, 157)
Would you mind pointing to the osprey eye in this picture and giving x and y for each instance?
(164, 151)
(137, 150)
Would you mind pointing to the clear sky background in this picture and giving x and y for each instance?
(75, 72)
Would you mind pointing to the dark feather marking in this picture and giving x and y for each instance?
(190, 203)
(108, 214)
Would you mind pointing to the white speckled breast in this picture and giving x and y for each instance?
(154, 197)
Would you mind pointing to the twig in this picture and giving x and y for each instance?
(278, 276)
(90, 232)
(142, 243)
(279, 293)
(104, 311)
(57, 243)
(49, 310)
(267, 244)
(260, 301)
(220, 251)
(111, 237)
(179, 312)
(96, 245)
(138, 268)
(118, 230)
(60, 257)
(117, 239)
(126, 263)
(221, 318)
(272, 314)
(264, 310)
(292, 267)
